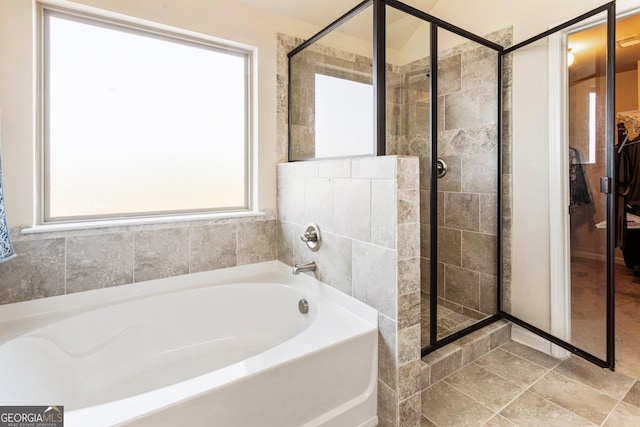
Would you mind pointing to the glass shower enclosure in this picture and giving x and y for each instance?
(388, 79)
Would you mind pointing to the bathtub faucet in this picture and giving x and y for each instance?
(307, 266)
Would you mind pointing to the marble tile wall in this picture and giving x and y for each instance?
(368, 212)
(507, 194)
(467, 141)
(58, 263)
(305, 65)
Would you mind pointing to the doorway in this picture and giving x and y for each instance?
(587, 210)
(558, 130)
(586, 227)
(628, 257)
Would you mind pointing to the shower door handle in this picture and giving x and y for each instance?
(605, 185)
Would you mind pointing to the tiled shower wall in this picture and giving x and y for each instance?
(318, 59)
(467, 195)
(58, 263)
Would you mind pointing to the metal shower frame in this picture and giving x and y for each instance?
(379, 88)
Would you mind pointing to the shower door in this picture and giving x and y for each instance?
(557, 146)
(442, 107)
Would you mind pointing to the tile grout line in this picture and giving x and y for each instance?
(610, 412)
(524, 388)
(559, 361)
(554, 403)
(553, 369)
(593, 388)
(515, 355)
(467, 395)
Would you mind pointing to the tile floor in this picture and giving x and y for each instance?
(588, 312)
(627, 310)
(514, 385)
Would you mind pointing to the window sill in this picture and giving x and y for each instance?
(145, 221)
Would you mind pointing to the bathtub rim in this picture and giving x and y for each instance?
(19, 318)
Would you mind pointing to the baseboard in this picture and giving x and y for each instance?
(528, 338)
(536, 342)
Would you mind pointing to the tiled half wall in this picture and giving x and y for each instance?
(51, 264)
(368, 211)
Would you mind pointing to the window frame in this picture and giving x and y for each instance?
(118, 22)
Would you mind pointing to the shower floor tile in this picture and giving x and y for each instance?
(449, 321)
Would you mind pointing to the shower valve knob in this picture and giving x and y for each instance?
(309, 236)
(312, 237)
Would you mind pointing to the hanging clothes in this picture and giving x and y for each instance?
(632, 198)
(628, 195)
(579, 190)
(628, 163)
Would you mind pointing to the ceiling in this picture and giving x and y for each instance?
(589, 47)
(400, 26)
(323, 12)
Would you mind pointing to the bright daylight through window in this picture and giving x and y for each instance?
(141, 123)
(344, 117)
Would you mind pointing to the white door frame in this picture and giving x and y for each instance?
(559, 225)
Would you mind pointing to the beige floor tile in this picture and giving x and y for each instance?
(628, 334)
(588, 313)
(533, 410)
(445, 406)
(612, 383)
(490, 389)
(575, 396)
(588, 306)
(633, 397)
(530, 354)
(573, 392)
(624, 415)
(499, 421)
(515, 368)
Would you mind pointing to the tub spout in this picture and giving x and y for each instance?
(307, 266)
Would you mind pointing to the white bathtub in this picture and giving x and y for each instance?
(222, 348)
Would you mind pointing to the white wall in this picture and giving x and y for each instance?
(528, 17)
(627, 90)
(218, 18)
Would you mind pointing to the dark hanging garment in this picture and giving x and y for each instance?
(628, 191)
(579, 191)
(623, 180)
(632, 149)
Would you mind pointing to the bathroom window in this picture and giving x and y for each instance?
(139, 122)
(592, 128)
